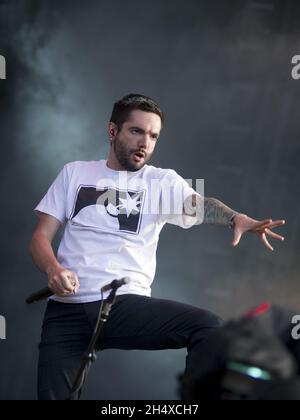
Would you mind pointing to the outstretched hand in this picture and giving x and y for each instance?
(243, 224)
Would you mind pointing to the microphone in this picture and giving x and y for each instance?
(41, 294)
(46, 292)
(115, 284)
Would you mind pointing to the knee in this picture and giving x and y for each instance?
(206, 324)
(213, 321)
(217, 321)
(204, 328)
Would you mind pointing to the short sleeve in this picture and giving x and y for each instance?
(54, 201)
(174, 191)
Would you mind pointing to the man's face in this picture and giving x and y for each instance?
(134, 144)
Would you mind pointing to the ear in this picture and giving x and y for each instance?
(112, 131)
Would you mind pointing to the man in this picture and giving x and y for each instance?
(113, 211)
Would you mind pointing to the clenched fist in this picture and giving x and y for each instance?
(61, 281)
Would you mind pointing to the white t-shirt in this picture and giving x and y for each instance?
(113, 220)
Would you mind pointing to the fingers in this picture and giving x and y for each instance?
(72, 282)
(266, 242)
(265, 222)
(262, 228)
(76, 281)
(270, 225)
(274, 235)
(262, 225)
(55, 285)
(67, 281)
(236, 237)
(276, 223)
(64, 283)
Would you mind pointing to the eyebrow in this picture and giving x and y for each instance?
(142, 130)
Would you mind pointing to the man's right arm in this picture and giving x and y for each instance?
(60, 280)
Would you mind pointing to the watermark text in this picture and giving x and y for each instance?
(2, 67)
(2, 328)
(296, 329)
(296, 67)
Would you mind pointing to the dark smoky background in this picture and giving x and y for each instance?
(221, 71)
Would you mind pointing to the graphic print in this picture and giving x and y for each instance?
(124, 205)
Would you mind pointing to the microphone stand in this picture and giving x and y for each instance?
(90, 355)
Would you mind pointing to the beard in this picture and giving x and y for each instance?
(125, 157)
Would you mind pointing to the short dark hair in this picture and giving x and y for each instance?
(131, 102)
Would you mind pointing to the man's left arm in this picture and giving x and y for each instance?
(212, 211)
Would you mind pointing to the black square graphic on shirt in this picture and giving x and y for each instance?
(124, 205)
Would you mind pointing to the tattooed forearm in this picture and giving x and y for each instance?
(209, 210)
(217, 213)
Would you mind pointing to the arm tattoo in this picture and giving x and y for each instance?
(209, 210)
(217, 213)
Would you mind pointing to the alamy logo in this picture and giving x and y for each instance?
(125, 205)
(2, 67)
(2, 328)
(296, 68)
(296, 329)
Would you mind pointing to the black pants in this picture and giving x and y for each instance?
(135, 323)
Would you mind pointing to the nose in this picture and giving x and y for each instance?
(143, 143)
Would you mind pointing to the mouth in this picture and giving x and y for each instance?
(139, 156)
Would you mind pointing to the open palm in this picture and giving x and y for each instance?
(244, 224)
